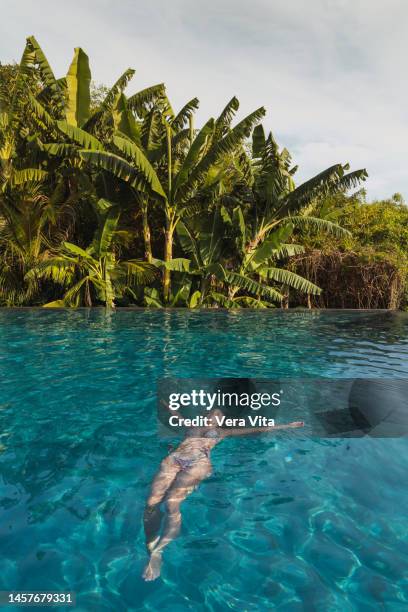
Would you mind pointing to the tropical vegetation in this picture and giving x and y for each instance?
(368, 268)
(118, 200)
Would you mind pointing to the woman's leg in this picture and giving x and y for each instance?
(185, 482)
(152, 514)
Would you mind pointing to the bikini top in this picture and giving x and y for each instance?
(211, 433)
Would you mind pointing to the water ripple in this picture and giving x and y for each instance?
(282, 523)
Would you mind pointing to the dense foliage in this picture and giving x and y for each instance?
(369, 267)
(114, 200)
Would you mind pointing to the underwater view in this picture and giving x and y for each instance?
(285, 521)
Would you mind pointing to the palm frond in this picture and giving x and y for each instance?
(139, 271)
(184, 114)
(330, 181)
(142, 164)
(58, 269)
(72, 296)
(40, 115)
(320, 225)
(28, 175)
(194, 154)
(60, 149)
(177, 264)
(249, 302)
(225, 146)
(55, 304)
(286, 277)
(141, 100)
(288, 250)
(223, 122)
(150, 132)
(107, 103)
(80, 136)
(258, 141)
(248, 284)
(47, 75)
(273, 242)
(117, 88)
(352, 180)
(123, 119)
(105, 232)
(78, 82)
(139, 178)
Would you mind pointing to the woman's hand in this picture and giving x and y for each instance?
(253, 430)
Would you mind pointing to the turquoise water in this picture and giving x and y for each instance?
(290, 524)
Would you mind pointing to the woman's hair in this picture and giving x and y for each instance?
(233, 389)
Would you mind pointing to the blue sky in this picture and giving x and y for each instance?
(329, 72)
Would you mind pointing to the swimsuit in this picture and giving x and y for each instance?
(187, 461)
(211, 433)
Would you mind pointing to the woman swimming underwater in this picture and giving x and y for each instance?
(179, 474)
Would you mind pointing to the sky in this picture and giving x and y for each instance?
(331, 73)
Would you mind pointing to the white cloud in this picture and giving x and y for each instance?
(328, 71)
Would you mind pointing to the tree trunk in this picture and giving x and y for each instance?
(232, 291)
(88, 300)
(109, 292)
(204, 286)
(168, 256)
(146, 235)
(285, 298)
(168, 234)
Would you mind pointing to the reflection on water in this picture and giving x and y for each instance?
(285, 522)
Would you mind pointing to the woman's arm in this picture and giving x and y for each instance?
(253, 430)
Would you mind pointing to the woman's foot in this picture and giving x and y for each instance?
(152, 569)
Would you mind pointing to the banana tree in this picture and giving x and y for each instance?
(62, 112)
(209, 241)
(262, 261)
(276, 199)
(15, 174)
(95, 273)
(277, 208)
(68, 99)
(262, 238)
(67, 122)
(25, 218)
(175, 165)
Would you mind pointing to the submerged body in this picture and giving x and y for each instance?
(179, 474)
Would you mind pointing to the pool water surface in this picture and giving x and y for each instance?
(283, 523)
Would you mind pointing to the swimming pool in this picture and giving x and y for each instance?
(295, 524)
